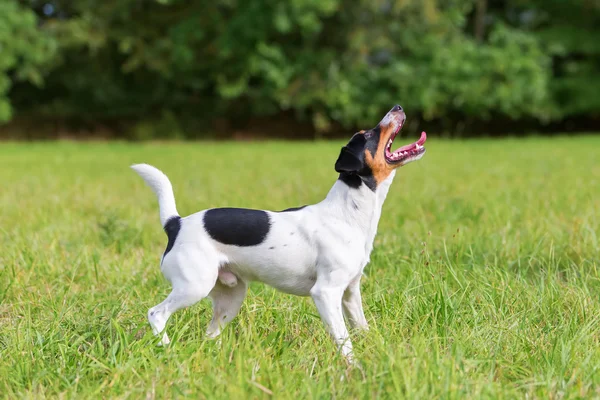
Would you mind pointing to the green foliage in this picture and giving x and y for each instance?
(329, 61)
(25, 51)
(570, 33)
(511, 75)
(484, 282)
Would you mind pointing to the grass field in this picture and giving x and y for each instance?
(484, 281)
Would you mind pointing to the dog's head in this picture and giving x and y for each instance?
(368, 156)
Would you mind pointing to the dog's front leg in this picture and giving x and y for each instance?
(353, 308)
(329, 303)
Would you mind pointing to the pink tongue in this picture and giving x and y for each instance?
(411, 146)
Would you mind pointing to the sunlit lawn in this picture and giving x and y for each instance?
(484, 280)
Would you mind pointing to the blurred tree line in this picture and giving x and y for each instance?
(160, 68)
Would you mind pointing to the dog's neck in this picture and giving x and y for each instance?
(360, 206)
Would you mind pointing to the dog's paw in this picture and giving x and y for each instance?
(213, 334)
(165, 341)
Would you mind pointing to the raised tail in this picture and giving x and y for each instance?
(161, 186)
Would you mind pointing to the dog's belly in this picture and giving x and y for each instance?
(285, 260)
(290, 269)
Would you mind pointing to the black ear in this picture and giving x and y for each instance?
(351, 157)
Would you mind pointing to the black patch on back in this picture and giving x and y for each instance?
(172, 228)
(237, 226)
(293, 209)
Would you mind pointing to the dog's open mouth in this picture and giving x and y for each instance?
(405, 154)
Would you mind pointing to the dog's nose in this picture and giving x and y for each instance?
(397, 107)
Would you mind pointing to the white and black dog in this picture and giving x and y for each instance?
(318, 250)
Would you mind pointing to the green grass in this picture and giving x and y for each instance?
(484, 281)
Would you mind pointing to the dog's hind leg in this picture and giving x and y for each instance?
(192, 281)
(180, 297)
(227, 301)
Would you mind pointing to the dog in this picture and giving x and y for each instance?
(317, 250)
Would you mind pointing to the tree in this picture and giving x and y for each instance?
(342, 62)
(25, 51)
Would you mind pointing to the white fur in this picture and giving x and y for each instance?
(320, 250)
(161, 186)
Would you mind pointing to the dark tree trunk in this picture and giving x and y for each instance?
(480, 10)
